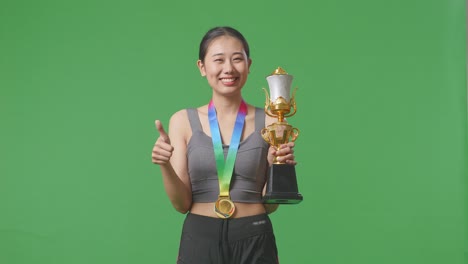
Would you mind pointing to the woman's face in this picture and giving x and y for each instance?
(225, 65)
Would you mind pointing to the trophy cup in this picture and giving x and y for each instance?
(281, 181)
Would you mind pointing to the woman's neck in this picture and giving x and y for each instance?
(226, 105)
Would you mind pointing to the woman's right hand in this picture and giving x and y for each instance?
(162, 150)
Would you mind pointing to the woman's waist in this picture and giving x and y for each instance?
(237, 193)
(241, 209)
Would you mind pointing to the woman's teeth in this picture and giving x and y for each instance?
(228, 79)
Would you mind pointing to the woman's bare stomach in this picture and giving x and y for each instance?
(242, 209)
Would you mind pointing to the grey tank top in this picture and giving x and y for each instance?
(250, 168)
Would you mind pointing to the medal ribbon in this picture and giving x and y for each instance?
(226, 167)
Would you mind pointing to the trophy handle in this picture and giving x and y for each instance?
(265, 135)
(267, 104)
(292, 103)
(295, 134)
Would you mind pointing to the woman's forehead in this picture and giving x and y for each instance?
(225, 44)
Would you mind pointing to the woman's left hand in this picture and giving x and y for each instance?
(285, 154)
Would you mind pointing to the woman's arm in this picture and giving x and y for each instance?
(170, 153)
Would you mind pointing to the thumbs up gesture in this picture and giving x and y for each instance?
(162, 150)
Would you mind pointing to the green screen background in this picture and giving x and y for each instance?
(381, 109)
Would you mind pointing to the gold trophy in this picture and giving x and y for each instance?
(281, 181)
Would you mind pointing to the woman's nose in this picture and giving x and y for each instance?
(228, 67)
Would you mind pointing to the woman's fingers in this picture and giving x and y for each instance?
(285, 153)
(162, 133)
(285, 149)
(162, 150)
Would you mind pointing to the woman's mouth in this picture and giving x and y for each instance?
(228, 81)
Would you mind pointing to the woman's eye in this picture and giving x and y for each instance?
(238, 59)
(218, 60)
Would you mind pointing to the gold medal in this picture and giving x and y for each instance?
(224, 207)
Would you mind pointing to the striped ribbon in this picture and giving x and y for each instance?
(226, 167)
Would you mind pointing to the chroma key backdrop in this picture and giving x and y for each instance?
(381, 109)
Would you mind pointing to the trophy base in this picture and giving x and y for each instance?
(282, 185)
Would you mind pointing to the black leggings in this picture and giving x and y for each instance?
(245, 240)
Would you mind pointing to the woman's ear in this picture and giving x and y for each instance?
(249, 63)
(201, 67)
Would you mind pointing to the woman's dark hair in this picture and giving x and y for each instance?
(218, 32)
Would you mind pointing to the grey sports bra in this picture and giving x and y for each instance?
(249, 174)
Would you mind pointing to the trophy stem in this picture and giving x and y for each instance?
(280, 116)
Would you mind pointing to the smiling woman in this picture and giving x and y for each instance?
(226, 65)
(214, 162)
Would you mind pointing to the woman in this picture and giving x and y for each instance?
(214, 162)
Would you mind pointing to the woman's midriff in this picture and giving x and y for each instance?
(242, 209)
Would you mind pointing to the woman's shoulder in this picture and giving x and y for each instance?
(181, 116)
(255, 109)
(179, 120)
(179, 125)
(270, 120)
